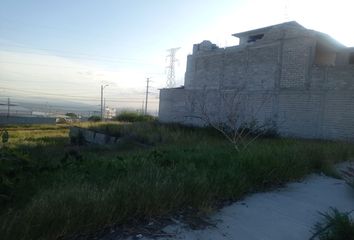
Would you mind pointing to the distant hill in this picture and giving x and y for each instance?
(48, 106)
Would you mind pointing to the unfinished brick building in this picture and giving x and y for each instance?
(307, 76)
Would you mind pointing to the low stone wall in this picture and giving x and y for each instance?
(92, 136)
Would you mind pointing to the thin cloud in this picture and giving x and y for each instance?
(28, 74)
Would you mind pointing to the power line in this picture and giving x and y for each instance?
(171, 67)
(47, 27)
(10, 88)
(44, 81)
(74, 97)
(60, 66)
(55, 107)
(83, 56)
(110, 100)
(43, 65)
(45, 93)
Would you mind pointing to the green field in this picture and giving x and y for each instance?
(50, 188)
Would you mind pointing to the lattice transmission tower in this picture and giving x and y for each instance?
(171, 58)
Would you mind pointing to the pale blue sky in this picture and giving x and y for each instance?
(120, 29)
(67, 48)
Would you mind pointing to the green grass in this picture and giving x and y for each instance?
(335, 225)
(52, 189)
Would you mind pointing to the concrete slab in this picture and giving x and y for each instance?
(288, 213)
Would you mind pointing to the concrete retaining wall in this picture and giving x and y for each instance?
(92, 136)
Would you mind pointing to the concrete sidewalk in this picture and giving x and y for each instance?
(288, 213)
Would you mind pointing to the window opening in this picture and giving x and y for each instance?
(255, 38)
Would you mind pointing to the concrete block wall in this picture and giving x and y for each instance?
(311, 114)
(296, 62)
(235, 67)
(262, 67)
(318, 77)
(256, 67)
(208, 70)
(332, 78)
(190, 70)
(338, 116)
(340, 78)
(173, 105)
(279, 75)
(200, 106)
(298, 114)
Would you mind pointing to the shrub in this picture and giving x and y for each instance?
(94, 118)
(4, 136)
(78, 140)
(128, 116)
(71, 115)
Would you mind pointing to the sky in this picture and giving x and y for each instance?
(67, 49)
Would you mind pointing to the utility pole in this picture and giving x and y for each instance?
(146, 94)
(171, 57)
(104, 109)
(8, 107)
(101, 102)
(102, 87)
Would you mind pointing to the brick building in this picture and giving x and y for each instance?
(299, 79)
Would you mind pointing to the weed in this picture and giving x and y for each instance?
(335, 225)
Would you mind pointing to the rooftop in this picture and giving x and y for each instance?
(266, 29)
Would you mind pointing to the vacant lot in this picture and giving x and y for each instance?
(50, 188)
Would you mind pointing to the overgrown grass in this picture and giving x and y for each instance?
(154, 133)
(66, 189)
